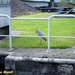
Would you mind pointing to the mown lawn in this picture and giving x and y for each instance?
(59, 27)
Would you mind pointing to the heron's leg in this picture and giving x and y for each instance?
(40, 41)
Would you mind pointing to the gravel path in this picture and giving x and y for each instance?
(17, 32)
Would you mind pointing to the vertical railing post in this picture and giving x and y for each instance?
(48, 36)
(10, 35)
(49, 20)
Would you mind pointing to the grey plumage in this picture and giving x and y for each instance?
(39, 33)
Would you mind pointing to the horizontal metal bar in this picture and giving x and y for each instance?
(29, 18)
(58, 16)
(4, 15)
(43, 36)
(62, 16)
(62, 36)
(27, 36)
(40, 36)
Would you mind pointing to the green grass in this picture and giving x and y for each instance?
(59, 27)
(37, 15)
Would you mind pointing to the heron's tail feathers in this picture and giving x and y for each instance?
(45, 39)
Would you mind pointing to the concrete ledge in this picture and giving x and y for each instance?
(39, 62)
(40, 55)
(48, 60)
(39, 66)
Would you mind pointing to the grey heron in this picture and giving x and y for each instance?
(39, 33)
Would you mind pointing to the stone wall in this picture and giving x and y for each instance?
(29, 67)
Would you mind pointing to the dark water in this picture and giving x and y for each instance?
(2, 64)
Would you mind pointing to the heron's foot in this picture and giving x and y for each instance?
(41, 41)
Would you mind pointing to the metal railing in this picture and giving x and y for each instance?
(49, 23)
(10, 35)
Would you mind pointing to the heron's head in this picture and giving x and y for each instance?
(36, 28)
